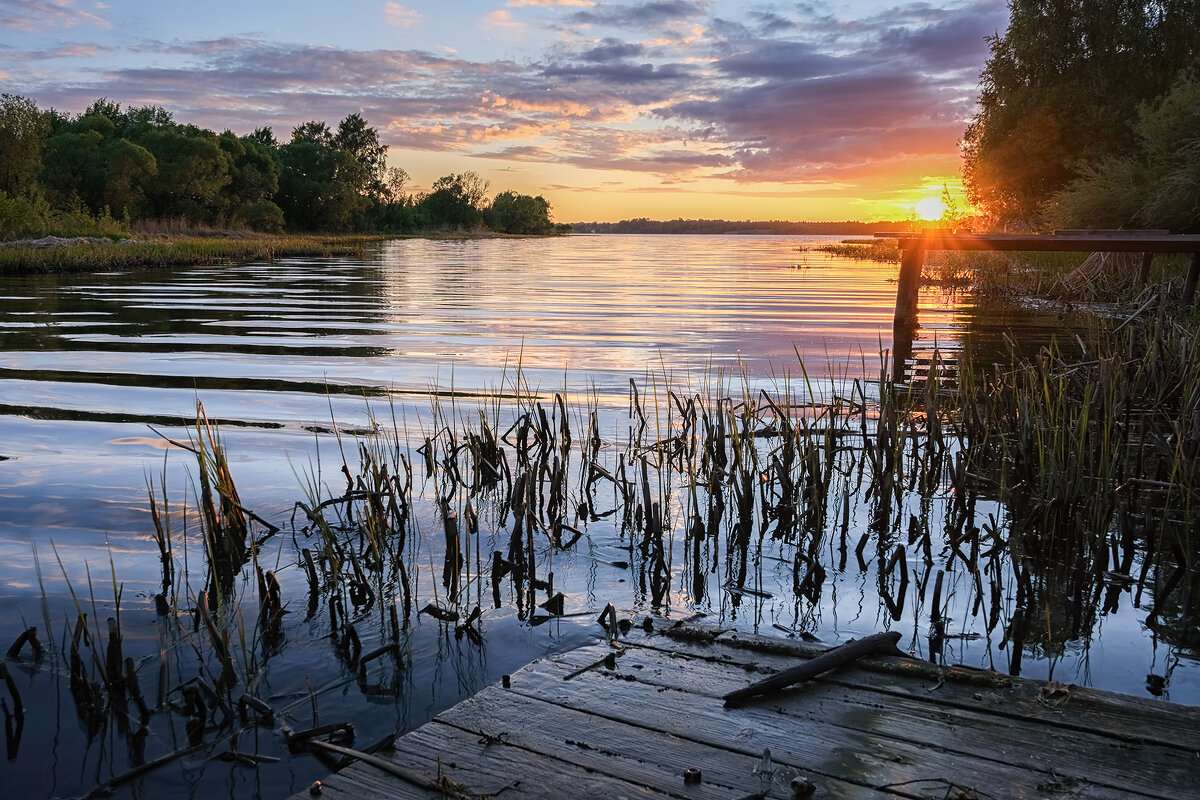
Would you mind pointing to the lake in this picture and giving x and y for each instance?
(305, 364)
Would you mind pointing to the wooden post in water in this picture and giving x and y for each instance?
(908, 289)
(1189, 286)
(912, 258)
(1147, 259)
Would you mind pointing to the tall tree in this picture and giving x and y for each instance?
(319, 187)
(456, 200)
(22, 130)
(86, 162)
(1058, 91)
(1156, 186)
(360, 140)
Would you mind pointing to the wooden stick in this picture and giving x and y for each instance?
(390, 767)
(881, 643)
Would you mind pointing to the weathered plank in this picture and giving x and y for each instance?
(644, 756)
(1123, 717)
(1149, 768)
(629, 721)
(845, 748)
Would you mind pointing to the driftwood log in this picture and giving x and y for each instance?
(875, 644)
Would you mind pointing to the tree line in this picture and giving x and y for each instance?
(130, 164)
(1089, 117)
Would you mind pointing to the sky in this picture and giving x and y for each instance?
(610, 109)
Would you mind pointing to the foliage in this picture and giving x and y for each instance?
(456, 201)
(138, 164)
(22, 129)
(1157, 185)
(519, 213)
(319, 186)
(32, 216)
(1056, 94)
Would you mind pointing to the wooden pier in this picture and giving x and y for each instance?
(643, 717)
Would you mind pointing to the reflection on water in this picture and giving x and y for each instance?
(295, 358)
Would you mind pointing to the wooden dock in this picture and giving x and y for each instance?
(633, 718)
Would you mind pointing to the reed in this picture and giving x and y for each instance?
(975, 499)
(882, 250)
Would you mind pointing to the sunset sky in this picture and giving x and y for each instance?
(610, 109)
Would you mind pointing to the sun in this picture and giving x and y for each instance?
(929, 208)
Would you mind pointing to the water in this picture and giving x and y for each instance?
(298, 358)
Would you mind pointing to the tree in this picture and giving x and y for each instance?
(85, 162)
(1156, 186)
(360, 140)
(22, 130)
(313, 131)
(319, 187)
(265, 137)
(519, 213)
(456, 200)
(1057, 93)
(193, 169)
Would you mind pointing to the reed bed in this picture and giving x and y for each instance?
(883, 250)
(88, 255)
(1016, 502)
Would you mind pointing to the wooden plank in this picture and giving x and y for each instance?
(472, 767)
(1123, 717)
(824, 747)
(627, 722)
(651, 758)
(1151, 769)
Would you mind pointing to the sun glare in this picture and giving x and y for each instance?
(928, 208)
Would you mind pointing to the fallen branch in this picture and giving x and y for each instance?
(879, 643)
(390, 767)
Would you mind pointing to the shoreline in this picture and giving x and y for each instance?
(63, 255)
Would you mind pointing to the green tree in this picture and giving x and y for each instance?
(519, 213)
(1156, 186)
(456, 201)
(86, 163)
(23, 128)
(193, 169)
(254, 184)
(319, 187)
(360, 140)
(1058, 92)
(313, 131)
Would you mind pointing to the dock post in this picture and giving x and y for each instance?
(912, 258)
(1189, 286)
(1147, 259)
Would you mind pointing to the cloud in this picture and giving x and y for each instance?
(501, 18)
(549, 3)
(32, 16)
(400, 16)
(777, 95)
(611, 49)
(653, 14)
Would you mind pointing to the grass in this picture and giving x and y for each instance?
(103, 255)
(883, 250)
